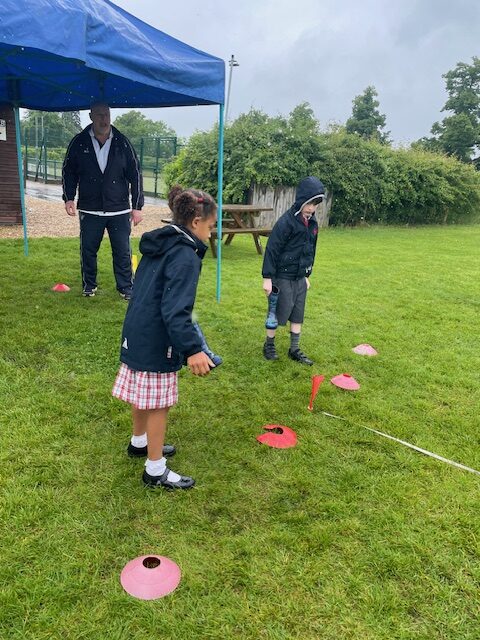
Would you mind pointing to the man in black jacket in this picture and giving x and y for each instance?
(287, 265)
(102, 163)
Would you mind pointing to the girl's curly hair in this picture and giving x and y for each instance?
(187, 204)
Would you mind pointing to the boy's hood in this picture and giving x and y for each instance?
(307, 189)
(159, 241)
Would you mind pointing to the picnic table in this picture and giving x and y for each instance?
(239, 218)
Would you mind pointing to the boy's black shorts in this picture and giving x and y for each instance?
(291, 300)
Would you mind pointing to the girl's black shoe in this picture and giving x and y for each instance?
(153, 482)
(169, 450)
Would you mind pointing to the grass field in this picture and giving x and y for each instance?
(345, 536)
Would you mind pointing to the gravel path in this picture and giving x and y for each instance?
(48, 219)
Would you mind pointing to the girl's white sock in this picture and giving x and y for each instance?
(157, 467)
(139, 441)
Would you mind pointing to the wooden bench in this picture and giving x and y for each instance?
(230, 232)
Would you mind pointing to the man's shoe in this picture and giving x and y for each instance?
(153, 482)
(269, 351)
(169, 450)
(299, 356)
(89, 292)
(126, 294)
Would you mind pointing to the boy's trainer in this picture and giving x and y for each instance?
(269, 351)
(299, 356)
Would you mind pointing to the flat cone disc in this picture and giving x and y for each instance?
(278, 437)
(365, 350)
(345, 381)
(150, 577)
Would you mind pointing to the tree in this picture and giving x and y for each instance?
(370, 182)
(257, 149)
(302, 118)
(38, 126)
(366, 120)
(459, 134)
(136, 125)
(56, 128)
(71, 122)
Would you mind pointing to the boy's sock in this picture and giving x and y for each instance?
(270, 340)
(294, 341)
(157, 468)
(139, 441)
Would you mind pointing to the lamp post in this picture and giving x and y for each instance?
(233, 63)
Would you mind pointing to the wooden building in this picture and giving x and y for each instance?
(10, 203)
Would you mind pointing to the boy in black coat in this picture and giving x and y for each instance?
(288, 263)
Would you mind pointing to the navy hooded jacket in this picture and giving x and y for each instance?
(158, 334)
(290, 250)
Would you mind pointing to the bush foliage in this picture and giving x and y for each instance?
(369, 181)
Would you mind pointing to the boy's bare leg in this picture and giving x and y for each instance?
(295, 327)
(270, 333)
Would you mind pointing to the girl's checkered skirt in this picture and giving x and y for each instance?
(146, 389)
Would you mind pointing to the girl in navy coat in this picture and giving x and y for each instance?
(158, 333)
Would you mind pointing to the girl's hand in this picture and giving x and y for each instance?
(308, 283)
(199, 364)
(267, 286)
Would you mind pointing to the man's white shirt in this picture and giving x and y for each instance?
(102, 159)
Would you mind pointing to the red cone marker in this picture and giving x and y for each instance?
(316, 382)
(345, 381)
(278, 437)
(61, 287)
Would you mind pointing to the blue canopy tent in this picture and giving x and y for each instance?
(62, 55)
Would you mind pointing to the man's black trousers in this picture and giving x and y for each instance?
(92, 229)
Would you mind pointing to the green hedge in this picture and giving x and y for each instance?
(370, 182)
(375, 183)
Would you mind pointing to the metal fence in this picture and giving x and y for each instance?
(43, 159)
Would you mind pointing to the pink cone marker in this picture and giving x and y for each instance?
(61, 287)
(345, 381)
(365, 350)
(282, 438)
(150, 577)
(316, 382)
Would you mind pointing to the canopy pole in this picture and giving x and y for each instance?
(220, 202)
(21, 178)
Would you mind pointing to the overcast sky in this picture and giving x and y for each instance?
(324, 52)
